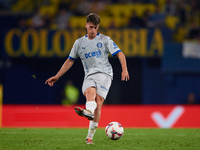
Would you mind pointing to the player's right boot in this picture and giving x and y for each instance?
(89, 141)
(84, 112)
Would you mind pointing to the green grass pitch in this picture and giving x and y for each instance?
(74, 139)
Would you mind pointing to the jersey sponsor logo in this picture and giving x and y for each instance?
(115, 46)
(99, 45)
(83, 47)
(96, 54)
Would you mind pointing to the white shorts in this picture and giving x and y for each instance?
(100, 81)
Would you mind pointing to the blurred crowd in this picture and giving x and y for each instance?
(184, 13)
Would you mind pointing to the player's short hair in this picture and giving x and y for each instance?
(93, 18)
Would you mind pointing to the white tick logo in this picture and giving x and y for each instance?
(170, 120)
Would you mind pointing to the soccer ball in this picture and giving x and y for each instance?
(114, 130)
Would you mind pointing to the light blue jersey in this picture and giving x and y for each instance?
(94, 54)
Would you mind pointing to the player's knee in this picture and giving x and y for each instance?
(90, 94)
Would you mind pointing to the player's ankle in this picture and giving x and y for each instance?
(91, 106)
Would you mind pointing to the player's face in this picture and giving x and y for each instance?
(91, 30)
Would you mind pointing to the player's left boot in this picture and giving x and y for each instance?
(89, 141)
(88, 114)
(84, 112)
(79, 110)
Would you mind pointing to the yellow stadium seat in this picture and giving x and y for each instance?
(115, 10)
(22, 6)
(161, 3)
(180, 34)
(150, 7)
(171, 21)
(50, 10)
(105, 21)
(77, 22)
(120, 21)
(28, 21)
(122, 12)
(54, 1)
(139, 9)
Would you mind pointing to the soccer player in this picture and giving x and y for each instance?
(93, 50)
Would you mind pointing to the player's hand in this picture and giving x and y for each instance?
(125, 76)
(51, 81)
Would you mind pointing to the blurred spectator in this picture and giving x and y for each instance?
(181, 12)
(191, 99)
(169, 8)
(47, 21)
(194, 32)
(146, 17)
(134, 1)
(97, 6)
(62, 19)
(195, 5)
(73, 5)
(157, 19)
(195, 13)
(37, 20)
(135, 21)
(65, 4)
(71, 93)
(83, 8)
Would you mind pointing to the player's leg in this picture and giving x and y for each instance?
(90, 95)
(89, 91)
(94, 123)
(103, 83)
(97, 112)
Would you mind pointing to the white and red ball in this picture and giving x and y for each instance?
(114, 130)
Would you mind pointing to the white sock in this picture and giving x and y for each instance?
(91, 106)
(92, 129)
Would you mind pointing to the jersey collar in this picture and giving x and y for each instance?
(97, 34)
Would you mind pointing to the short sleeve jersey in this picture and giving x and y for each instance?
(94, 54)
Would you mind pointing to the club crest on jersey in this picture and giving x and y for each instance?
(99, 45)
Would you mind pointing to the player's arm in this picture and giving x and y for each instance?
(122, 59)
(65, 67)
